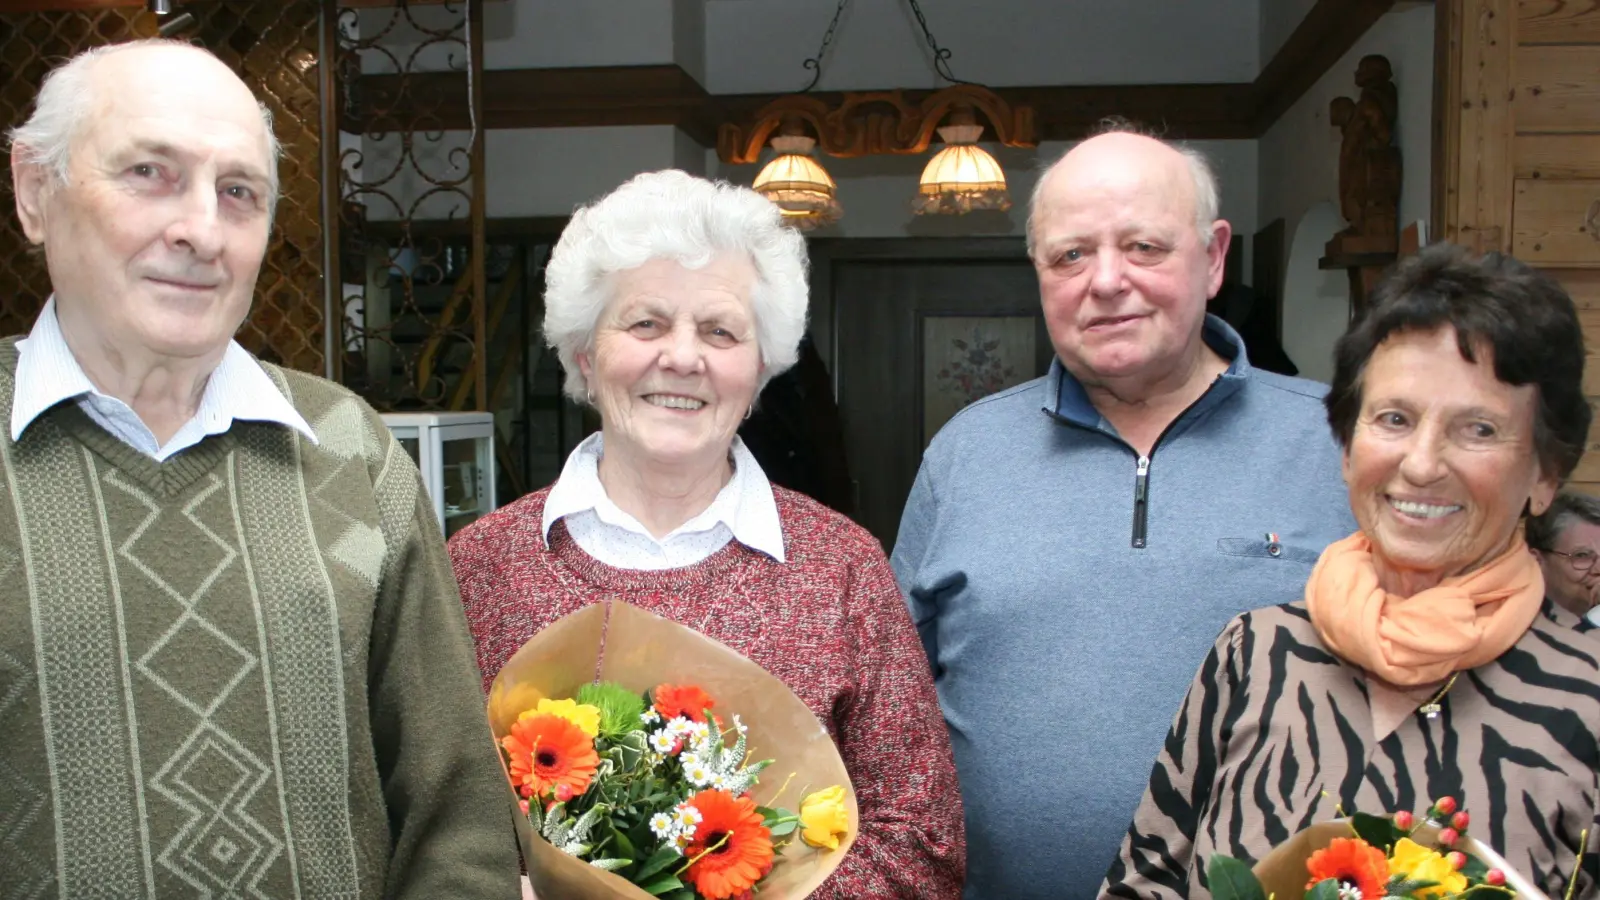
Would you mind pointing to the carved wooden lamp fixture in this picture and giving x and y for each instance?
(960, 178)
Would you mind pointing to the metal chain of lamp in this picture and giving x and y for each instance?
(960, 178)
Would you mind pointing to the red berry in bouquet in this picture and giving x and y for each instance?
(1457, 859)
(731, 848)
(1445, 805)
(1494, 878)
(1404, 820)
(1448, 837)
(1350, 861)
(1460, 820)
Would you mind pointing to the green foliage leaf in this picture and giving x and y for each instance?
(1485, 892)
(783, 828)
(661, 884)
(1401, 886)
(1231, 879)
(630, 750)
(659, 860)
(624, 846)
(1326, 889)
(1378, 831)
(1475, 868)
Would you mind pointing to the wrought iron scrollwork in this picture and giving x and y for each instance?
(411, 208)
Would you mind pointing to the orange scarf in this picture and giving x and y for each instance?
(1460, 623)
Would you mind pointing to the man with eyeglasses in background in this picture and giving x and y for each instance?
(1566, 539)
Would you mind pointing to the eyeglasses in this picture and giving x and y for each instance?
(1581, 560)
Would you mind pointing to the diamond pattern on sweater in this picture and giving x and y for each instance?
(345, 431)
(221, 848)
(362, 548)
(210, 547)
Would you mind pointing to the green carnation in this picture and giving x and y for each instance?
(619, 707)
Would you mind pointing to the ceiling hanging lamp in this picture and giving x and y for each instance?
(797, 184)
(963, 176)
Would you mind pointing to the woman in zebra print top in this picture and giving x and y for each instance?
(1423, 660)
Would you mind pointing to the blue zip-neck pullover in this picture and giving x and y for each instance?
(1065, 600)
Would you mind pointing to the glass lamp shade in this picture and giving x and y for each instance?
(798, 185)
(962, 177)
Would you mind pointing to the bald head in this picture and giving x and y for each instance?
(1124, 161)
(127, 79)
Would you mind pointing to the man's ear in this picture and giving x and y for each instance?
(30, 184)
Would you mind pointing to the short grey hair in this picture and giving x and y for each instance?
(674, 215)
(1567, 508)
(62, 108)
(1207, 194)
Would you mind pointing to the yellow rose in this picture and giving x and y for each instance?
(1418, 863)
(824, 818)
(580, 714)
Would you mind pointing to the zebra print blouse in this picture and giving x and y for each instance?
(1276, 732)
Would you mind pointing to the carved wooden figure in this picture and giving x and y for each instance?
(1369, 163)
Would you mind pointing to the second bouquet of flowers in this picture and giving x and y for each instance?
(656, 762)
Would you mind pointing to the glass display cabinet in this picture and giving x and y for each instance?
(455, 452)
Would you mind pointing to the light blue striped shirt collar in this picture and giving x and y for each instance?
(238, 389)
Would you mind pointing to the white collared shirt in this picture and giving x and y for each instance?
(743, 510)
(48, 373)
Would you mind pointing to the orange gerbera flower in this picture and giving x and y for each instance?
(1353, 863)
(673, 700)
(737, 847)
(548, 750)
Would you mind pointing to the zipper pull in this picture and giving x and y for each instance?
(1141, 501)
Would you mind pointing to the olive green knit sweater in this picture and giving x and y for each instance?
(240, 673)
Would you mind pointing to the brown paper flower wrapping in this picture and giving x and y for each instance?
(616, 642)
(1283, 871)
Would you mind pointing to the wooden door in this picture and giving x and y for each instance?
(1517, 149)
(921, 326)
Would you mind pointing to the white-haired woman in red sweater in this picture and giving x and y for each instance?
(671, 302)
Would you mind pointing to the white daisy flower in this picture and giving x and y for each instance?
(699, 776)
(649, 717)
(661, 824)
(680, 726)
(687, 817)
(689, 760)
(662, 742)
(699, 730)
(718, 782)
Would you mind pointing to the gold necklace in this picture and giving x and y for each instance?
(1432, 707)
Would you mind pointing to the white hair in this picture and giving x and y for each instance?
(1207, 196)
(674, 215)
(64, 103)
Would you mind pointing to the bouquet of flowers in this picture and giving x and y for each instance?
(1368, 857)
(625, 734)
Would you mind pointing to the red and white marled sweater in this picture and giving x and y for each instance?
(829, 622)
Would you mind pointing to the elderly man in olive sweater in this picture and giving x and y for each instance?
(233, 661)
(1072, 545)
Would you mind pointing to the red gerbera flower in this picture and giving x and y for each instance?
(689, 701)
(548, 751)
(737, 847)
(1353, 863)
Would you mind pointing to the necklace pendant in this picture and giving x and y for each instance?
(1430, 709)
